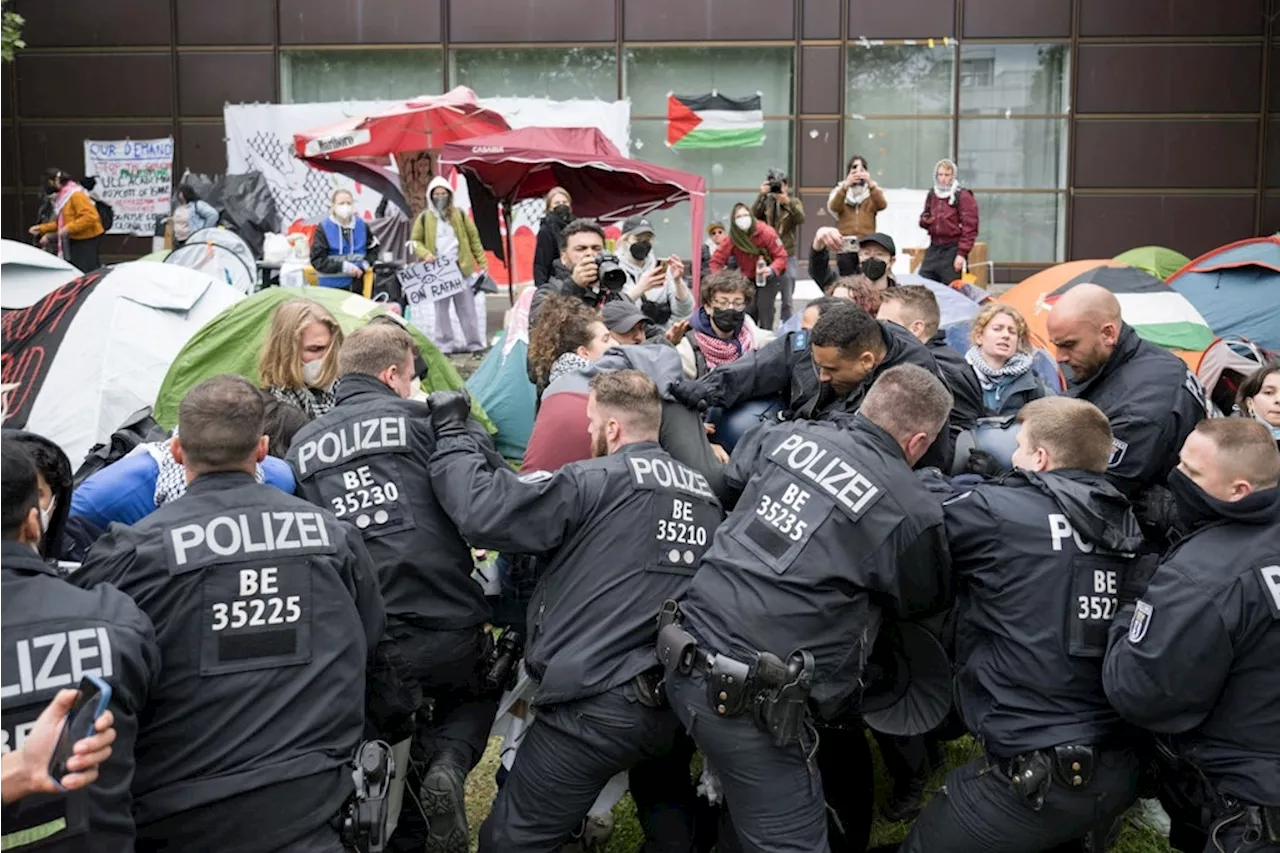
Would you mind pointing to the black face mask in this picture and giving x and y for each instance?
(562, 212)
(728, 319)
(847, 263)
(874, 268)
(1196, 507)
(640, 251)
(50, 189)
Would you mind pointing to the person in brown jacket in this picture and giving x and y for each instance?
(76, 224)
(856, 200)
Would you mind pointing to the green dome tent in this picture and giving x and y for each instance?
(1157, 260)
(231, 342)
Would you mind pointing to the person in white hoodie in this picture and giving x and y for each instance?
(443, 231)
(657, 287)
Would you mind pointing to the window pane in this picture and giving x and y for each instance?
(901, 153)
(1027, 153)
(900, 80)
(723, 168)
(736, 72)
(1022, 226)
(998, 79)
(310, 76)
(573, 72)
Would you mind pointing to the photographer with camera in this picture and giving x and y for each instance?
(856, 200)
(583, 272)
(759, 253)
(784, 214)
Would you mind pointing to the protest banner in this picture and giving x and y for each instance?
(135, 177)
(431, 282)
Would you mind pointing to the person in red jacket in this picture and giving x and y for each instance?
(951, 218)
(751, 241)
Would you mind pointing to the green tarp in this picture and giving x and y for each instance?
(231, 342)
(1157, 260)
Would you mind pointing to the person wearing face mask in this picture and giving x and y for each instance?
(435, 611)
(342, 247)
(443, 231)
(828, 241)
(775, 207)
(299, 362)
(856, 200)
(721, 331)
(67, 538)
(1038, 560)
(559, 213)
(951, 218)
(1258, 397)
(1192, 654)
(75, 228)
(760, 255)
(658, 287)
(1001, 359)
(190, 214)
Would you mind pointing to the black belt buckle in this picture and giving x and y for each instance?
(727, 686)
(1075, 765)
(1030, 777)
(676, 648)
(649, 688)
(1270, 823)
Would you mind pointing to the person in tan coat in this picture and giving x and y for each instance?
(856, 200)
(75, 226)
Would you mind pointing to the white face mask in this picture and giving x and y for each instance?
(743, 223)
(46, 515)
(342, 211)
(311, 371)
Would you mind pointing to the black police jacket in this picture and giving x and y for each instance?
(627, 530)
(1037, 561)
(961, 381)
(366, 462)
(1197, 656)
(53, 635)
(265, 609)
(1152, 401)
(831, 529)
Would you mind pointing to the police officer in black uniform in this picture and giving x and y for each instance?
(366, 461)
(266, 609)
(628, 529)
(1197, 661)
(1038, 559)
(830, 531)
(53, 635)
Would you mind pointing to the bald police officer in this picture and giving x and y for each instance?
(831, 530)
(627, 530)
(55, 634)
(266, 608)
(366, 460)
(1038, 559)
(1194, 659)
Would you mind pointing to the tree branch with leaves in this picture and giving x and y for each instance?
(12, 34)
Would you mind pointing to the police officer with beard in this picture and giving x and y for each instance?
(266, 609)
(831, 530)
(1038, 559)
(626, 531)
(55, 634)
(1197, 661)
(366, 461)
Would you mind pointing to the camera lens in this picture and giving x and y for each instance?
(612, 276)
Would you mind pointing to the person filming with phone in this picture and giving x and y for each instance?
(54, 636)
(856, 200)
(784, 214)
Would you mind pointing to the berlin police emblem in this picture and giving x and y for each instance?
(1118, 449)
(1141, 622)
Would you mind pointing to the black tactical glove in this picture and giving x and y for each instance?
(1157, 514)
(689, 394)
(450, 411)
(1136, 578)
(983, 463)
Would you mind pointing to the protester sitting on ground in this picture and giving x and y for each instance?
(951, 218)
(876, 254)
(577, 272)
(854, 288)
(625, 321)
(342, 246)
(190, 214)
(1001, 356)
(568, 336)
(282, 421)
(657, 286)
(299, 361)
(1259, 397)
(443, 232)
(559, 213)
(75, 227)
(64, 538)
(721, 331)
(856, 200)
(827, 240)
(757, 249)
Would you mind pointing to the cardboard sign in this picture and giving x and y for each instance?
(431, 282)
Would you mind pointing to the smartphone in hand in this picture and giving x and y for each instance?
(92, 703)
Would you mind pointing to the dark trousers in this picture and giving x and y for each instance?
(908, 761)
(82, 254)
(787, 288)
(568, 755)
(762, 308)
(939, 263)
(458, 721)
(774, 794)
(978, 812)
(848, 779)
(675, 819)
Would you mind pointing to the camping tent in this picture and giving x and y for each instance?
(501, 384)
(30, 274)
(231, 342)
(1237, 289)
(222, 254)
(95, 350)
(1157, 260)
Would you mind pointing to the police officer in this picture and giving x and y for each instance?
(627, 529)
(366, 460)
(1038, 560)
(267, 609)
(831, 526)
(1197, 662)
(54, 634)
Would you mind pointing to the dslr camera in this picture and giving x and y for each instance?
(611, 274)
(775, 177)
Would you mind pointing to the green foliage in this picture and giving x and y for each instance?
(12, 34)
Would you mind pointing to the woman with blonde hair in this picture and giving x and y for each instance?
(1001, 357)
(559, 213)
(299, 361)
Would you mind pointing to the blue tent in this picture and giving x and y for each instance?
(501, 385)
(1236, 288)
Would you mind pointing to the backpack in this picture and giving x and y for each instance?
(138, 428)
(106, 213)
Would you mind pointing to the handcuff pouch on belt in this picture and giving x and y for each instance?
(781, 711)
(1033, 773)
(364, 816)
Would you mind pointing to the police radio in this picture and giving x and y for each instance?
(364, 820)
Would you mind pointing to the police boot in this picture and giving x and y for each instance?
(444, 804)
(906, 801)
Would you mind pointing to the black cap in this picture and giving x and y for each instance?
(636, 225)
(621, 315)
(880, 240)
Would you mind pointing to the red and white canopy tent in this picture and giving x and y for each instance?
(504, 168)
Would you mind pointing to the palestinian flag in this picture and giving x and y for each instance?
(714, 121)
(1156, 311)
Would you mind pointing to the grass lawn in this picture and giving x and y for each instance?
(627, 837)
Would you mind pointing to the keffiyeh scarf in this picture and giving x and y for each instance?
(313, 401)
(567, 363)
(171, 477)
